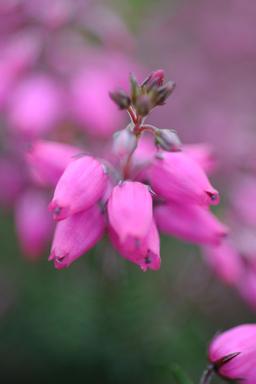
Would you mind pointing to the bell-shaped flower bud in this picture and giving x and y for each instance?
(145, 253)
(48, 159)
(177, 177)
(121, 99)
(190, 222)
(130, 210)
(225, 261)
(143, 105)
(161, 94)
(168, 140)
(76, 235)
(81, 185)
(135, 89)
(233, 353)
(33, 223)
(125, 142)
(155, 79)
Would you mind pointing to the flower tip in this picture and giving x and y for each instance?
(214, 197)
(60, 262)
(58, 212)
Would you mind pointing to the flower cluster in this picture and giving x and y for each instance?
(149, 183)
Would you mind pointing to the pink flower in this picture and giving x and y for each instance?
(147, 252)
(12, 181)
(177, 177)
(35, 106)
(76, 235)
(130, 210)
(203, 155)
(92, 105)
(225, 261)
(247, 287)
(33, 223)
(233, 353)
(48, 160)
(81, 185)
(190, 222)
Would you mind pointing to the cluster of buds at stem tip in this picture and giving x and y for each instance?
(144, 97)
(141, 100)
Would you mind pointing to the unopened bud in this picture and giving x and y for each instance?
(155, 79)
(135, 88)
(121, 99)
(143, 105)
(168, 140)
(125, 142)
(161, 94)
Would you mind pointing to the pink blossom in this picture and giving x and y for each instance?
(76, 235)
(12, 181)
(177, 177)
(190, 222)
(147, 252)
(247, 287)
(92, 106)
(203, 154)
(33, 223)
(48, 159)
(81, 185)
(225, 261)
(130, 210)
(35, 106)
(233, 353)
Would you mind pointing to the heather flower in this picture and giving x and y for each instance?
(130, 210)
(48, 160)
(33, 223)
(35, 106)
(81, 185)
(92, 105)
(145, 253)
(225, 261)
(190, 222)
(76, 235)
(177, 177)
(233, 354)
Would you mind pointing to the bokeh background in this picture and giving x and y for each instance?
(103, 320)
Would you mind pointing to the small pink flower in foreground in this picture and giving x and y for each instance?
(147, 252)
(130, 210)
(233, 354)
(177, 177)
(129, 206)
(76, 235)
(81, 186)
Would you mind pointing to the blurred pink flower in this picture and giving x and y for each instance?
(35, 106)
(33, 223)
(190, 222)
(233, 353)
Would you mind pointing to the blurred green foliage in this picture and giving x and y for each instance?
(103, 320)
